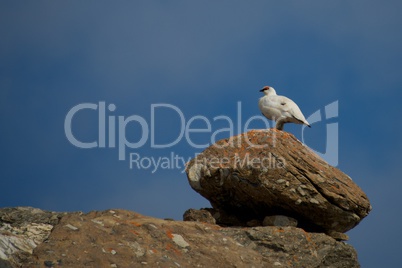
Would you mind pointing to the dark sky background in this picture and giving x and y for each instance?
(203, 58)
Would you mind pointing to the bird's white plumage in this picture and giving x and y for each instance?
(280, 109)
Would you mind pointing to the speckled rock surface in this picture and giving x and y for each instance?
(269, 172)
(119, 238)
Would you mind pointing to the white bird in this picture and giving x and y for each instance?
(280, 108)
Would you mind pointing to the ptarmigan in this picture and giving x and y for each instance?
(280, 109)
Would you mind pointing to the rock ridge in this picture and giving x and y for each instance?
(121, 238)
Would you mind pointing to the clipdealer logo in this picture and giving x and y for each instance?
(112, 132)
(147, 130)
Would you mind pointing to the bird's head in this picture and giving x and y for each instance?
(268, 90)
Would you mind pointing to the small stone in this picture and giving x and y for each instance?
(113, 252)
(179, 240)
(71, 227)
(138, 250)
(253, 223)
(201, 215)
(153, 226)
(98, 222)
(298, 201)
(54, 219)
(280, 181)
(314, 201)
(277, 263)
(338, 236)
(113, 265)
(279, 220)
(48, 263)
(301, 191)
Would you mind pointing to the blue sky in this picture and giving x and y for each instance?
(203, 58)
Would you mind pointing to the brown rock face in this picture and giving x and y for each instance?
(119, 238)
(269, 172)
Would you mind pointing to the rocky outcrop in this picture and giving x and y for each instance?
(21, 230)
(119, 238)
(269, 172)
(274, 204)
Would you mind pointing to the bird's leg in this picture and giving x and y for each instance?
(279, 125)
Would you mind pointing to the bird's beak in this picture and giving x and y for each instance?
(262, 90)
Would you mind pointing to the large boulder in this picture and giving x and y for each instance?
(269, 172)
